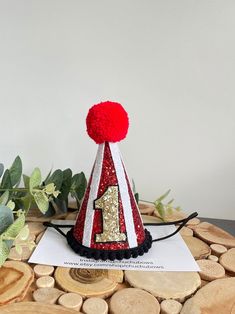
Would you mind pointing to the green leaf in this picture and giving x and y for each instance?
(6, 218)
(78, 186)
(26, 181)
(23, 234)
(136, 195)
(11, 205)
(161, 211)
(1, 169)
(41, 200)
(4, 251)
(6, 180)
(4, 198)
(162, 197)
(66, 185)
(14, 229)
(18, 248)
(35, 179)
(56, 178)
(16, 171)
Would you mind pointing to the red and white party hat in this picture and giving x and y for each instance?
(109, 224)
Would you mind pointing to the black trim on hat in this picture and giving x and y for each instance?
(109, 254)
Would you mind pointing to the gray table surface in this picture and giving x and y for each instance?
(227, 225)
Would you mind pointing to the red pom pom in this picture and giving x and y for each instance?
(107, 122)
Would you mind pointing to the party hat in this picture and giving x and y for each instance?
(109, 224)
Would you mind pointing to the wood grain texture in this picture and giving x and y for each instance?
(217, 296)
(15, 280)
(165, 285)
(132, 300)
(213, 234)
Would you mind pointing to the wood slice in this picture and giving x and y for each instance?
(39, 237)
(174, 216)
(193, 222)
(95, 306)
(165, 285)
(213, 234)
(185, 231)
(216, 297)
(170, 307)
(218, 249)
(213, 258)
(227, 260)
(210, 270)
(35, 308)
(43, 270)
(198, 248)
(15, 279)
(97, 287)
(23, 256)
(45, 282)
(71, 300)
(146, 209)
(35, 228)
(150, 219)
(47, 295)
(132, 300)
(115, 275)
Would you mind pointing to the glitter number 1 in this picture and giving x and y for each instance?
(108, 203)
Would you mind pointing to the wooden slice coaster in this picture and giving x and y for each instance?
(165, 285)
(43, 270)
(146, 209)
(218, 249)
(95, 306)
(170, 307)
(185, 231)
(69, 281)
(193, 222)
(213, 234)
(35, 228)
(227, 260)
(71, 300)
(132, 300)
(150, 219)
(23, 256)
(115, 275)
(198, 248)
(213, 258)
(174, 216)
(38, 238)
(216, 297)
(15, 279)
(210, 270)
(45, 282)
(35, 308)
(47, 295)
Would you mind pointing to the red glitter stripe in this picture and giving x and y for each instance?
(108, 178)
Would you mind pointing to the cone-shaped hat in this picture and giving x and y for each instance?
(109, 224)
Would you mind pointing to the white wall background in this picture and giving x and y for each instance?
(170, 63)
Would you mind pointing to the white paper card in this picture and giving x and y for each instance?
(171, 254)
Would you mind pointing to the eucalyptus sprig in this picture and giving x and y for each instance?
(164, 209)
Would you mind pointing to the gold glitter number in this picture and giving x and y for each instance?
(108, 203)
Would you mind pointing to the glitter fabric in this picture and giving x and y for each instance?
(108, 203)
(108, 178)
(139, 230)
(80, 222)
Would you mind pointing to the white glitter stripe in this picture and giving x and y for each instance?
(124, 193)
(95, 181)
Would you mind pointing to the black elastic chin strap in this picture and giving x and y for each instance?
(182, 223)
